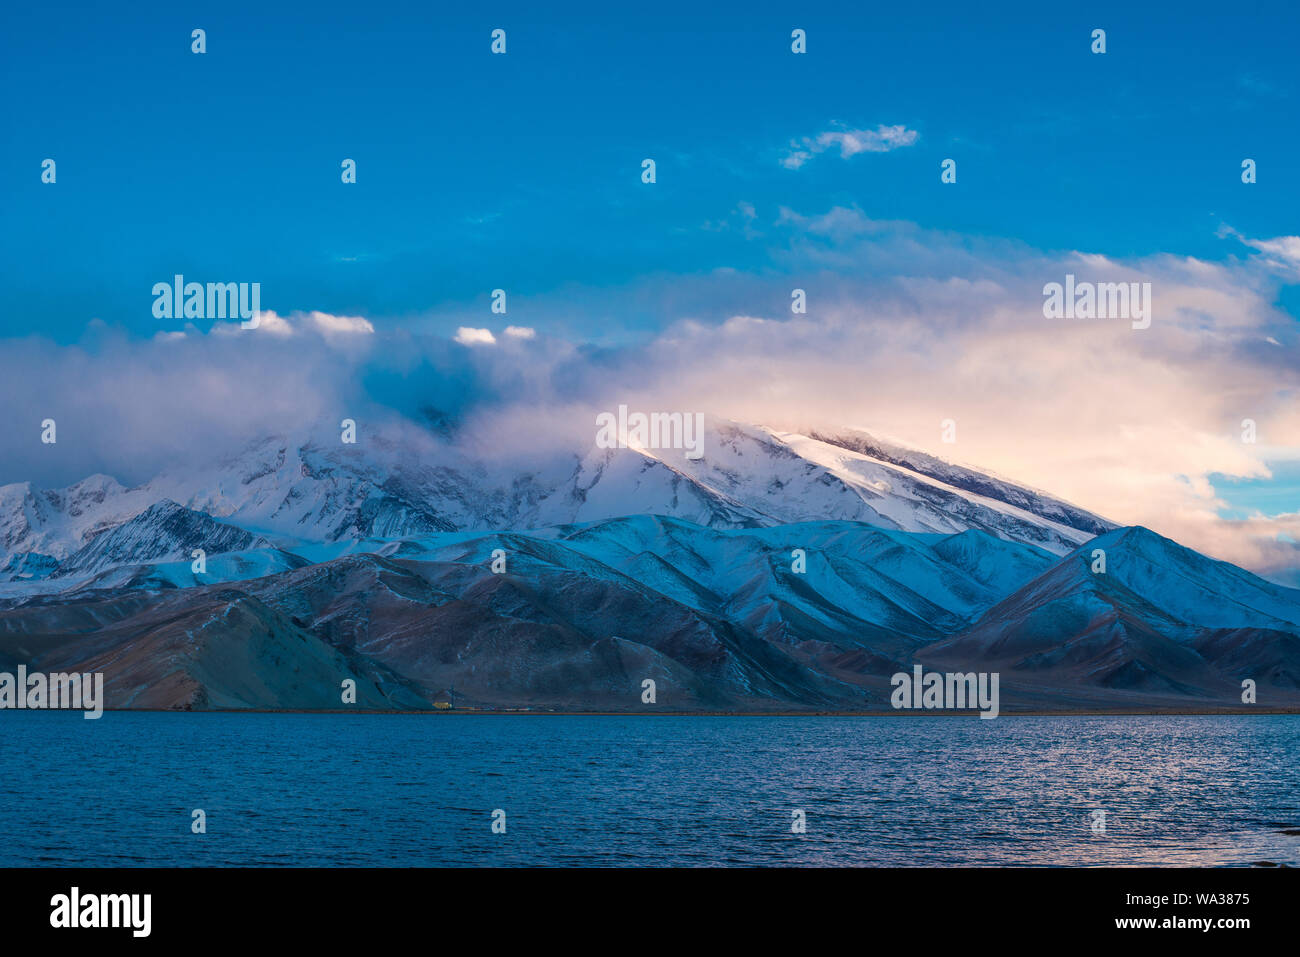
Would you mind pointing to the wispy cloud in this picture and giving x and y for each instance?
(850, 142)
(1281, 253)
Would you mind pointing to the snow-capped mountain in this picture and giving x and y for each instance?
(809, 615)
(1158, 618)
(295, 492)
(56, 522)
(779, 570)
(164, 531)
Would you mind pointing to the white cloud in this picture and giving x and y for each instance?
(468, 336)
(268, 323)
(851, 142)
(521, 332)
(1281, 253)
(328, 325)
(905, 327)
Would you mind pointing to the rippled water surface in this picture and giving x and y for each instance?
(421, 789)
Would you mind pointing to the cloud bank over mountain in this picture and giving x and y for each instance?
(905, 328)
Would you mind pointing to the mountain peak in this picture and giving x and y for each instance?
(398, 483)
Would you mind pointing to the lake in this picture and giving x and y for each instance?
(392, 789)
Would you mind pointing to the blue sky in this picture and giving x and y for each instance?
(522, 172)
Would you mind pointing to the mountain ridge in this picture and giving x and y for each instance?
(578, 616)
(780, 570)
(297, 492)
